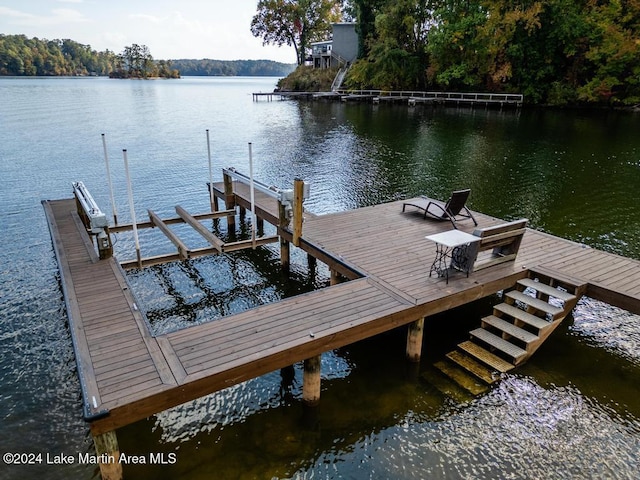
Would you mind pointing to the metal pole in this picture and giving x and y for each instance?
(106, 159)
(131, 208)
(210, 173)
(253, 206)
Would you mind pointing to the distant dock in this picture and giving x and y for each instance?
(411, 98)
(379, 261)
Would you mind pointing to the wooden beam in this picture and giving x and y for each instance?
(196, 252)
(150, 261)
(241, 245)
(229, 200)
(125, 227)
(201, 229)
(611, 297)
(285, 251)
(183, 250)
(298, 196)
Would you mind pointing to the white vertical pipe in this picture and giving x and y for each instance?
(106, 159)
(253, 206)
(210, 172)
(131, 208)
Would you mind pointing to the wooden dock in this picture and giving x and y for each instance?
(127, 374)
(411, 98)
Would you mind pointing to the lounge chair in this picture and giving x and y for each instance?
(453, 210)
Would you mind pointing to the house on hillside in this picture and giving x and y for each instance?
(340, 50)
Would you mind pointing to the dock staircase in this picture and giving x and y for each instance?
(518, 326)
(339, 78)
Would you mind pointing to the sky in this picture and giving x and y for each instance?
(172, 29)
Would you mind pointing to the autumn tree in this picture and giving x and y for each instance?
(295, 23)
(553, 51)
(614, 53)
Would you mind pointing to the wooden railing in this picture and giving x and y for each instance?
(459, 97)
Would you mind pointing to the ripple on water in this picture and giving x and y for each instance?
(609, 327)
(519, 430)
(237, 403)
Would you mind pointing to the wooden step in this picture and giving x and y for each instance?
(446, 385)
(534, 302)
(561, 277)
(521, 315)
(462, 378)
(510, 329)
(472, 366)
(500, 344)
(486, 357)
(547, 289)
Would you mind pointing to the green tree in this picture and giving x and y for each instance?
(295, 23)
(397, 55)
(137, 61)
(365, 13)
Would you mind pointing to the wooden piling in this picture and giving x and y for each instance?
(108, 454)
(298, 198)
(285, 250)
(311, 381)
(229, 200)
(414, 340)
(312, 263)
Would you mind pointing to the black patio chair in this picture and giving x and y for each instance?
(453, 209)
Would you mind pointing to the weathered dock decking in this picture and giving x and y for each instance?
(127, 374)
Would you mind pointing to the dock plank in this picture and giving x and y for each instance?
(98, 308)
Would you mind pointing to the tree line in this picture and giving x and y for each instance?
(239, 68)
(22, 56)
(555, 52)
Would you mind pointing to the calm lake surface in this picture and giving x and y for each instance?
(572, 412)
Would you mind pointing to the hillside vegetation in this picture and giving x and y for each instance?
(240, 68)
(22, 56)
(552, 51)
(308, 79)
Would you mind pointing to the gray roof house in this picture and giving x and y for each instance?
(341, 50)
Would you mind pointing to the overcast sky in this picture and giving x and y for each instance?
(172, 29)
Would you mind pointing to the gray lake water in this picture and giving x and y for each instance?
(573, 411)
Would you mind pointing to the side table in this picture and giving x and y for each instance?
(451, 252)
